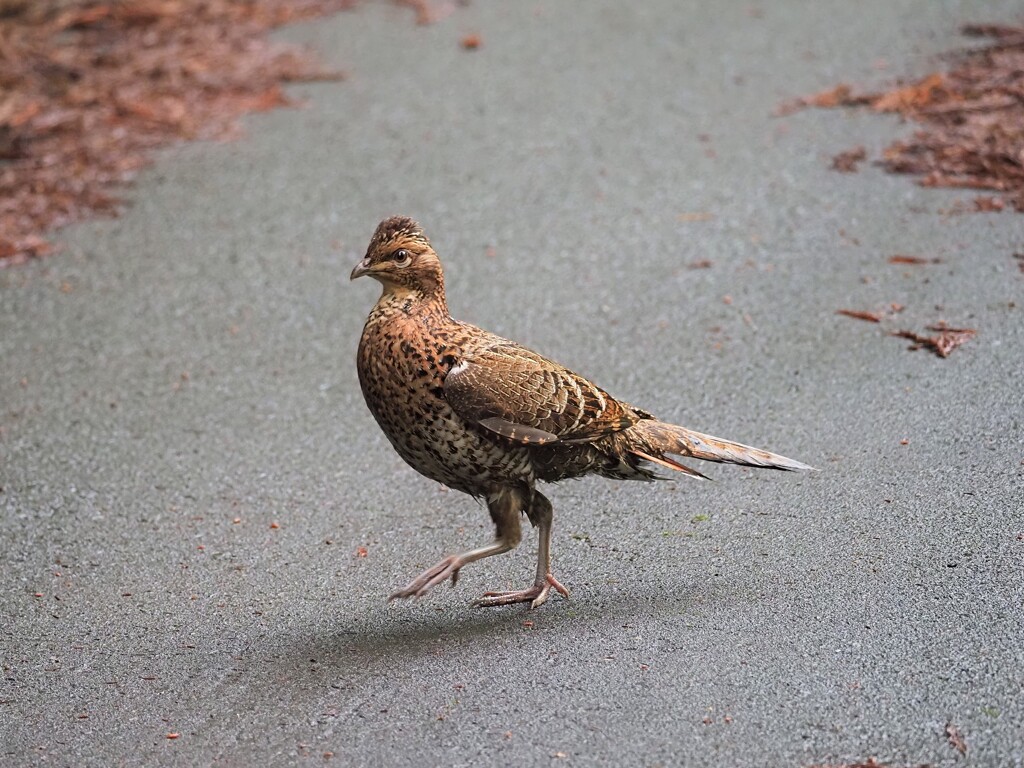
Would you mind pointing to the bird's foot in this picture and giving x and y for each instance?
(430, 578)
(536, 595)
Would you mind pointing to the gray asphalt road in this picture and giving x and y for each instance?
(188, 470)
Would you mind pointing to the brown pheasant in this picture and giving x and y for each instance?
(488, 417)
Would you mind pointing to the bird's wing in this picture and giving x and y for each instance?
(523, 396)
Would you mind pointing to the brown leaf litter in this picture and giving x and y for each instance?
(971, 120)
(89, 89)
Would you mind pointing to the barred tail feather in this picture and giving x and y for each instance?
(665, 461)
(660, 438)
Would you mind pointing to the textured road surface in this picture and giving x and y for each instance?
(188, 470)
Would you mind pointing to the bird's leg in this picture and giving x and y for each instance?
(540, 515)
(504, 507)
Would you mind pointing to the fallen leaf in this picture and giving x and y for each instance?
(361, 552)
(911, 97)
(839, 96)
(871, 317)
(471, 42)
(899, 259)
(942, 344)
(989, 204)
(846, 162)
(955, 738)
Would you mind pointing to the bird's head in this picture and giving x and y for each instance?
(401, 258)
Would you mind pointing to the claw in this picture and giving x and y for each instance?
(558, 586)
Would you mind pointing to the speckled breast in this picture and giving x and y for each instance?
(401, 372)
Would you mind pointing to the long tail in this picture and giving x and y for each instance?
(656, 438)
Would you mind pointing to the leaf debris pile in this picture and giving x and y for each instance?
(971, 117)
(88, 90)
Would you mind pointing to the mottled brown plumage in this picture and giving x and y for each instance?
(488, 417)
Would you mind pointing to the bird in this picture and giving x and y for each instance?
(488, 417)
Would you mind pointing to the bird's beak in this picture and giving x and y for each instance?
(360, 269)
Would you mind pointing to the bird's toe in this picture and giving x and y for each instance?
(536, 595)
(430, 578)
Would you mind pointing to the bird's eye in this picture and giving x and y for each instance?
(401, 257)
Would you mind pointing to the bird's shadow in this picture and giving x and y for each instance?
(402, 633)
(357, 642)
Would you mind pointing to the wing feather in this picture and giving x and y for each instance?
(524, 396)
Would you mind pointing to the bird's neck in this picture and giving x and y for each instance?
(401, 300)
